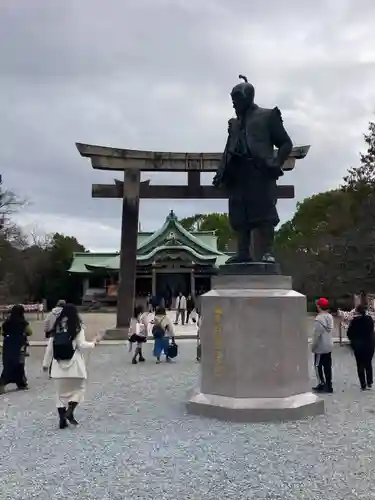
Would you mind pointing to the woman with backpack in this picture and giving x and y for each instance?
(64, 351)
(138, 330)
(163, 333)
(15, 332)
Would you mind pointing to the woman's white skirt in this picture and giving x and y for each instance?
(69, 389)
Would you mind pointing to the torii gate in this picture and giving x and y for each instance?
(132, 162)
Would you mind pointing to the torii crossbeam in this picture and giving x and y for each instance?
(131, 189)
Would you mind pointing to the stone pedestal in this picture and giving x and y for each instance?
(254, 339)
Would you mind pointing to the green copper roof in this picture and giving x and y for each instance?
(85, 263)
(81, 259)
(113, 263)
(171, 237)
(172, 226)
(208, 238)
(142, 237)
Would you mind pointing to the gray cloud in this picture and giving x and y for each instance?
(156, 74)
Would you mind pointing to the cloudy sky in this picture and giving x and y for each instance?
(156, 74)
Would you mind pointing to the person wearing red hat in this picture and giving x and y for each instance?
(322, 345)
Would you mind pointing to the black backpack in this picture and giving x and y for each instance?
(63, 349)
(158, 332)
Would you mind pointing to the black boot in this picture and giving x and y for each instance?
(319, 388)
(62, 418)
(70, 413)
(141, 359)
(134, 360)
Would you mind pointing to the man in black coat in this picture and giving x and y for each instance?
(362, 341)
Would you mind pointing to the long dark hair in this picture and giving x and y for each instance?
(361, 310)
(16, 320)
(160, 311)
(137, 311)
(69, 319)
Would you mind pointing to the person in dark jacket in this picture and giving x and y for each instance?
(190, 305)
(362, 341)
(15, 330)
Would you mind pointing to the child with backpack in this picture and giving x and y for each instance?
(163, 333)
(64, 351)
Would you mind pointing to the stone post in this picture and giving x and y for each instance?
(128, 255)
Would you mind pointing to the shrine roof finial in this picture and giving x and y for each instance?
(171, 216)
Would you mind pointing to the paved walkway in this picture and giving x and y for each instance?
(135, 440)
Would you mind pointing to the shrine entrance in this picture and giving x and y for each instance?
(170, 282)
(131, 189)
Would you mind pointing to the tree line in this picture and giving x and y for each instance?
(328, 246)
(34, 266)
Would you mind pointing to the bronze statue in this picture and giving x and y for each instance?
(249, 170)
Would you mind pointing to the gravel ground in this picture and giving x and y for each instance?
(136, 441)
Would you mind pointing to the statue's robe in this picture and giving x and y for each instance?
(248, 171)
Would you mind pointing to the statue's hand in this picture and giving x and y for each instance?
(217, 180)
(274, 168)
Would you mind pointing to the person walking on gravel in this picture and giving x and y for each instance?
(362, 340)
(322, 345)
(64, 351)
(163, 333)
(138, 331)
(50, 320)
(15, 330)
(180, 308)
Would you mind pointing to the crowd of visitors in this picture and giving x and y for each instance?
(162, 331)
(361, 336)
(185, 306)
(63, 356)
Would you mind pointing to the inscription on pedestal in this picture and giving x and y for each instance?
(218, 342)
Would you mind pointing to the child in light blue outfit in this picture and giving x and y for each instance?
(163, 332)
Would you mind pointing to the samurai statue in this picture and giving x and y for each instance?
(249, 170)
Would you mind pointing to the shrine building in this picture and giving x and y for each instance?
(169, 260)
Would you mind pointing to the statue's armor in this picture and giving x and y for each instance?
(252, 192)
(256, 141)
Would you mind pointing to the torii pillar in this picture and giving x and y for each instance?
(131, 189)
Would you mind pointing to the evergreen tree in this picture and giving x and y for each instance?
(364, 174)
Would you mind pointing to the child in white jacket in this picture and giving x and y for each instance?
(138, 331)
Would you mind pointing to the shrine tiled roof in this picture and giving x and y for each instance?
(81, 259)
(171, 239)
(173, 229)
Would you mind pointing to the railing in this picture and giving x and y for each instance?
(29, 308)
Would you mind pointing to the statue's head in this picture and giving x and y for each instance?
(242, 96)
